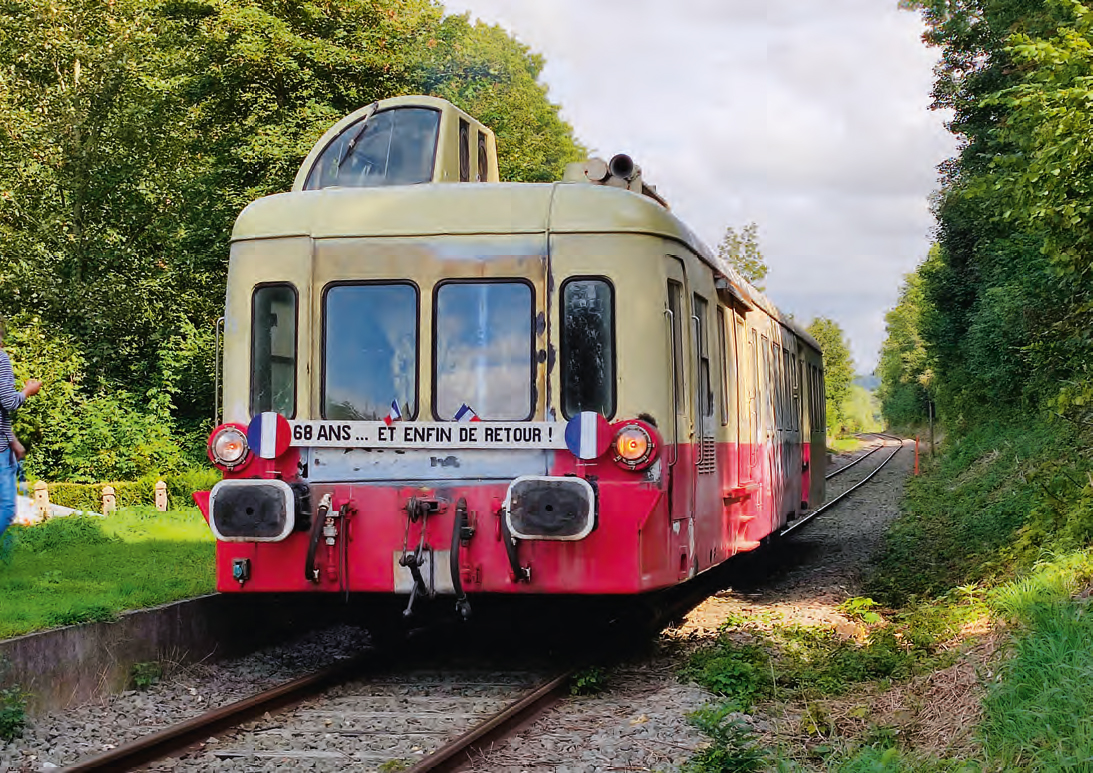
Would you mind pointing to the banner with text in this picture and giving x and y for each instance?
(423, 434)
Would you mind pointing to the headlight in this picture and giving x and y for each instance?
(634, 447)
(228, 447)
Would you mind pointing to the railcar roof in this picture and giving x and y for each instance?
(491, 208)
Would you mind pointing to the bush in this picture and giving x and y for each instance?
(13, 713)
(180, 490)
(734, 747)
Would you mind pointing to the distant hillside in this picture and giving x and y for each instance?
(870, 382)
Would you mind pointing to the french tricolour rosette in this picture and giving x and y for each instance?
(269, 435)
(588, 435)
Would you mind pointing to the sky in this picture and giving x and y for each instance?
(810, 119)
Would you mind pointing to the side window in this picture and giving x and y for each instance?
(464, 151)
(768, 381)
(704, 395)
(724, 355)
(370, 343)
(796, 392)
(484, 354)
(588, 347)
(273, 350)
(787, 392)
(483, 159)
(675, 305)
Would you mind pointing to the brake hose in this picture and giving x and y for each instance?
(519, 573)
(310, 572)
(459, 522)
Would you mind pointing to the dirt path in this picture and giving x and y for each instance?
(819, 566)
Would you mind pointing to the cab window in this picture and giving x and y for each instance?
(395, 147)
(370, 342)
(273, 350)
(588, 347)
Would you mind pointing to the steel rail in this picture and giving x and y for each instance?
(863, 457)
(458, 751)
(836, 500)
(176, 738)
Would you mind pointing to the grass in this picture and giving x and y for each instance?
(761, 664)
(1037, 713)
(83, 568)
(989, 507)
(1005, 518)
(996, 534)
(843, 445)
(753, 661)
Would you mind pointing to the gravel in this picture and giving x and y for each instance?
(62, 737)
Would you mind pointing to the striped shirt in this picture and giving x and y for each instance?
(10, 400)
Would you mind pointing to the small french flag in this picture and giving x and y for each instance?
(465, 414)
(395, 414)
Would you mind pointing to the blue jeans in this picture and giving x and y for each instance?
(7, 489)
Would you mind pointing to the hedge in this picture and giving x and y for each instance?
(180, 489)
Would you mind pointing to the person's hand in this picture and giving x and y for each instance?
(18, 449)
(31, 387)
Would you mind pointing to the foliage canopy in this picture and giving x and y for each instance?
(131, 135)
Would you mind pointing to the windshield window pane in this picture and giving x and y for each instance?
(395, 147)
(483, 350)
(588, 348)
(370, 351)
(273, 351)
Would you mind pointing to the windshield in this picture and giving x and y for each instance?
(370, 352)
(395, 147)
(483, 350)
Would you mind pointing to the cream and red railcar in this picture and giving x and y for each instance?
(436, 383)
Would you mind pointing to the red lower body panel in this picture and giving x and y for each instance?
(648, 535)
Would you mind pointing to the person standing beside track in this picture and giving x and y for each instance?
(11, 450)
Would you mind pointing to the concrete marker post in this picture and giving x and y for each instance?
(41, 498)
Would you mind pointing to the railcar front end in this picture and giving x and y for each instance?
(494, 388)
(442, 413)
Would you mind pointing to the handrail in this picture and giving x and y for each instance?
(675, 396)
(217, 402)
(698, 409)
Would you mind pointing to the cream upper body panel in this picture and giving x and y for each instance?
(492, 208)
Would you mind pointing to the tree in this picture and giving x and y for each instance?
(133, 132)
(495, 78)
(904, 367)
(997, 317)
(741, 250)
(838, 369)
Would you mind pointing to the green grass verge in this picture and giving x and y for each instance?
(1037, 713)
(987, 509)
(1001, 525)
(843, 445)
(84, 568)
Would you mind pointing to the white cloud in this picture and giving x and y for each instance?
(810, 118)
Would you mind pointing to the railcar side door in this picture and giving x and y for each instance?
(708, 504)
(680, 429)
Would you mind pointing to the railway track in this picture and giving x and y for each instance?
(839, 470)
(887, 442)
(365, 712)
(374, 710)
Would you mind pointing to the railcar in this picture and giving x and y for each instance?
(435, 383)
